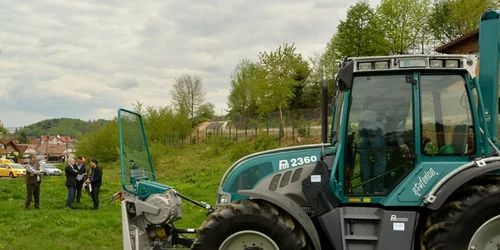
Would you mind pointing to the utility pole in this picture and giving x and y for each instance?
(66, 156)
(47, 127)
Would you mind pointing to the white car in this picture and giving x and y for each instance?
(50, 169)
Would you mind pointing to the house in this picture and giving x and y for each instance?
(3, 152)
(56, 146)
(34, 141)
(53, 151)
(27, 149)
(55, 139)
(466, 44)
(10, 146)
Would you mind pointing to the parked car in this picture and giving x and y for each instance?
(12, 170)
(50, 169)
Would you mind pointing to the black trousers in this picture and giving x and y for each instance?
(32, 190)
(95, 196)
(78, 191)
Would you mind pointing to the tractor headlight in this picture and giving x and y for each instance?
(382, 65)
(365, 66)
(451, 63)
(436, 63)
(223, 198)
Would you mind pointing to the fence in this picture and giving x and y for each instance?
(299, 126)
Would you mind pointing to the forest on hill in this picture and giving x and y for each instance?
(74, 128)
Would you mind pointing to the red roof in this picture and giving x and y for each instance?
(52, 149)
(12, 143)
(5, 141)
(24, 147)
(34, 141)
(445, 47)
(61, 138)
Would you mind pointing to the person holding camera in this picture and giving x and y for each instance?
(33, 181)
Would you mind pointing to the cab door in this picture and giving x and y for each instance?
(380, 135)
(447, 132)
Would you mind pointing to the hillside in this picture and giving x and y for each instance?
(62, 126)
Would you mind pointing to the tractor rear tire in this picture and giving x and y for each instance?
(253, 221)
(455, 224)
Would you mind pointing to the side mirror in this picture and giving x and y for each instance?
(345, 75)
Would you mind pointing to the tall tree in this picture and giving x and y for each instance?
(3, 131)
(188, 93)
(402, 22)
(206, 110)
(139, 107)
(450, 19)
(23, 138)
(361, 34)
(329, 62)
(247, 81)
(282, 68)
(166, 126)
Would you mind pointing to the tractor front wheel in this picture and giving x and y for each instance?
(249, 224)
(470, 220)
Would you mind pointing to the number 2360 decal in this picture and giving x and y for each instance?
(294, 162)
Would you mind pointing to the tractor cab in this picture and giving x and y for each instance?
(400, 122)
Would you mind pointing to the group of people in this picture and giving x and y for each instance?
(77, 176)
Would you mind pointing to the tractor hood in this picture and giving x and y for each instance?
(248, 171)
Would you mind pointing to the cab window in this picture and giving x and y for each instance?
(447, 124)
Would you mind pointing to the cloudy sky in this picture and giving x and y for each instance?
(86, 59)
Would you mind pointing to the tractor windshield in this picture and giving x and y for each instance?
(136, 164)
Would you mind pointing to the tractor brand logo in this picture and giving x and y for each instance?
(283, 164)
(395, 218)
(423, 180)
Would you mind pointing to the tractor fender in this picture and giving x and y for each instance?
(458, 180)
(290, 207)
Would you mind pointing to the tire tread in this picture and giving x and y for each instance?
(250, 207)
(440, 223)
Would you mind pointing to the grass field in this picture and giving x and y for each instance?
(194, 170)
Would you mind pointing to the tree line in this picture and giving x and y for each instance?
(283, 79)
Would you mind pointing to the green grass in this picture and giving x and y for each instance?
(194, 171)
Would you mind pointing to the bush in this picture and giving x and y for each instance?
(265, 142)
(262, 143)
(101, 144)
(301, 126)
(241, 149)
(217, 144)
(157, 151)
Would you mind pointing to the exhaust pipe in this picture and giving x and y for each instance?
(324, 111)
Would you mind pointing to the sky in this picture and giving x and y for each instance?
(86, 59)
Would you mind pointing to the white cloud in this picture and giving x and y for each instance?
(86, 59)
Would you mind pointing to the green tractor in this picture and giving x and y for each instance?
(412, 163)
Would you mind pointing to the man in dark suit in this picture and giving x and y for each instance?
(71, 181)
(33, 181)
(95, 182)
(80, 178)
